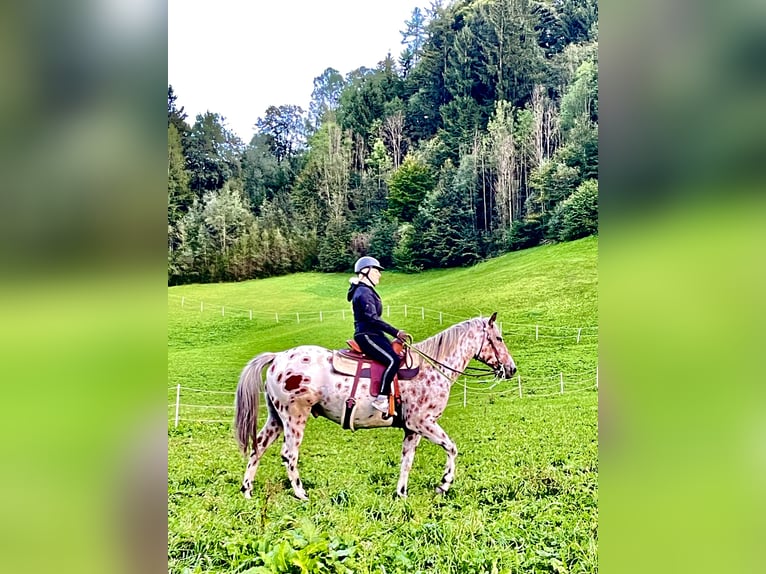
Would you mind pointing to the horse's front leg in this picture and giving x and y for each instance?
(433, 432)
(410, 443)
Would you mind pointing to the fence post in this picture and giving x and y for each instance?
(389, 310)
(405, 310)
(562, 382)
(578, 334)
(537, 332)
(298, 316)
(222, 313)
(276, 316)
(251, 314)
(182, 301)
(440, 317)
(519, 386)
(422, 313)
(178, 401)
(320, 317)
(201, 306)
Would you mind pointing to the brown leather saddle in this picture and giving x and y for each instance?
(353, 362)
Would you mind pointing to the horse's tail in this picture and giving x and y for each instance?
(247, 402)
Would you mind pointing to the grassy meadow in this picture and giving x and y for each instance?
(525, 493)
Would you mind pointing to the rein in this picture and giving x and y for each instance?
(479, 371)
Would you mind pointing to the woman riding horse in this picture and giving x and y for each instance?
(369, 328)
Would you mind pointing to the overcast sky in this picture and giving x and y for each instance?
(238, 57)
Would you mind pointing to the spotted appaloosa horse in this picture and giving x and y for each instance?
(302, 378)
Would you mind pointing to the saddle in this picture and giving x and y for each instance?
(354, 362)
(347, 362)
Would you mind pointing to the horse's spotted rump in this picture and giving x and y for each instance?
(293, 382)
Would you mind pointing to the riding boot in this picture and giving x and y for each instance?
(381, 403)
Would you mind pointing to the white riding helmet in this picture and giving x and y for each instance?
(366, 261)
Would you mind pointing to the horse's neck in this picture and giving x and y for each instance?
(457, 359)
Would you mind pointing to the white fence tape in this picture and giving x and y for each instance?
(577, 332)
(509, 387)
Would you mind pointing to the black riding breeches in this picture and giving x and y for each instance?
(378, 347)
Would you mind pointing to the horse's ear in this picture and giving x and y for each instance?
(492, 318)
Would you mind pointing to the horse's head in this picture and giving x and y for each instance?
(493, 351)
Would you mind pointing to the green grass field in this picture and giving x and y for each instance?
(525, 494)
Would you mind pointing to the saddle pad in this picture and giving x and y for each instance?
(346, 363)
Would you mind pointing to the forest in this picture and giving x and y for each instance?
(479, 138)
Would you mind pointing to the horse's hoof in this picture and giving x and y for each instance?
(247, 494)
(440, 491)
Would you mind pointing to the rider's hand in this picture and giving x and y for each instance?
(402, 335)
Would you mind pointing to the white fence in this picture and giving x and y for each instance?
(579, 333)
(546, 387)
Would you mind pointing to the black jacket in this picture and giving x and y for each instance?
(367, 308)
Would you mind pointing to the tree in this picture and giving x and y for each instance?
(180, 196)
(262, 176)
(211, 155)
(334, 250)
(408, 187)
(445, 225)
(404, 252)
(577, 215)
(176, 116)
(392, 132)
(226, 217)
(383, 239)
(581, 98)
(425, 85)
(379, 164)
(461, 119)
(551, 183)
(414, 35)
(285, 130)
(326, 172)
(578, 18)
(503, 151)
(366, 100)
(514, 60)
(326, 95)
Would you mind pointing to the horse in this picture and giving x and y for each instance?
(301, 381)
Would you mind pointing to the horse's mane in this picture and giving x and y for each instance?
(443, 344)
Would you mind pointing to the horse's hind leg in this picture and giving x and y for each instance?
(267, 435)
(433, 432)
(294, 426)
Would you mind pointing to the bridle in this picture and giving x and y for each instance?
(500, 368)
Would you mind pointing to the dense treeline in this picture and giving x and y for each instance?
(482, 137)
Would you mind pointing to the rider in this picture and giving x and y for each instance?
(369, 328)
